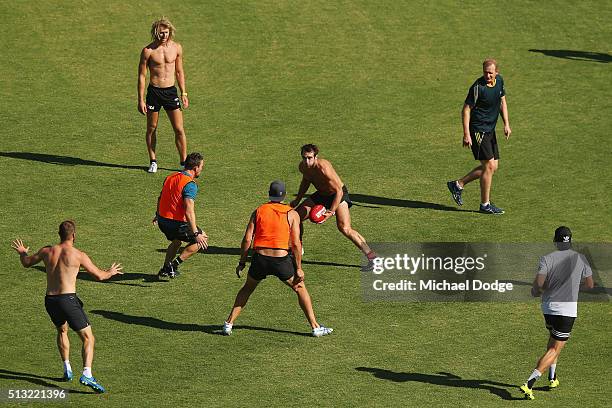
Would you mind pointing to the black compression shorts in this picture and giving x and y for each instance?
(261, 266)
(560, 327)
(484, 145)
(166, 97)
(327, 200)
(64, 308)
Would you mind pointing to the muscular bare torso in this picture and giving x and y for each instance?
(161, 61)
(62, 263)
(323, 176)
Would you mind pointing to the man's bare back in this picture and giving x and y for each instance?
(62, 263)
(323, 176)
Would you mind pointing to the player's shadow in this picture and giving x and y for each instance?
(215, 250)
(601, 57)
(69, 160)
(444, 379)
(398, 202)
(185, 327)
(117, 279)
(37, 380)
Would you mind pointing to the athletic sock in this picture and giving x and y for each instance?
(153, 161)
(457, 184)
(182, 163)
(533, 377)
(67, 366)
(551, 372)
(177, 262)
(87, 372)
(485, 204)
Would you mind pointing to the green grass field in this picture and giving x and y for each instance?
(379, 87)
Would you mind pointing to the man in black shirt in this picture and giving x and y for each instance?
(485, 101)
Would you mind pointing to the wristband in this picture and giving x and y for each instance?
(184, 94)
(195, 234)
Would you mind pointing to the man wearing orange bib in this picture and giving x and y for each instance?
(176, 215)
(274, 227)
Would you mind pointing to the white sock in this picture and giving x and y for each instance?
(87, 372)
(458, 186)
(551, 371)
(485, 204)
(534, 376)
(67, 366)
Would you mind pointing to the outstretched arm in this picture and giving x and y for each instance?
(98, 273)
(22, 250)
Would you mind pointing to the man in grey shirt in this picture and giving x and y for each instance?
(558, 282)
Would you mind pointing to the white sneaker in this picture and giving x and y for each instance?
(153, 167)
(227, 328)
(321, 331)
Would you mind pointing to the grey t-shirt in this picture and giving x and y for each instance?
(564, 270)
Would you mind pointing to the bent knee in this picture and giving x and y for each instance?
(345, 229)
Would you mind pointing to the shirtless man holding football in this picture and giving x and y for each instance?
(331, 193)
(164, 59)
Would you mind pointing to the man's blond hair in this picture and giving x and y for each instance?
(157, 25)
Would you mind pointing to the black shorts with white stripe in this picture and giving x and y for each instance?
(560, 327)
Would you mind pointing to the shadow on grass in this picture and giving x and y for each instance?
(398, 202)
(37, 380)
(577, 55)
(444, 379)
(117, 279)
(69, 161)
(215, 250)
(185, 327)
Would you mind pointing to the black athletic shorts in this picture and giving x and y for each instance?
(280, 266)
(484, 145)
(560, 327)
(166, 97)
(66, 308)
(180, 230)
(327, 200)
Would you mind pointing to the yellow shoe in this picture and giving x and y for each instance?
(527, 391)
(554, 383)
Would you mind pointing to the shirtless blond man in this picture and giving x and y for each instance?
(62, 262)
(164, 59)
(331, 193)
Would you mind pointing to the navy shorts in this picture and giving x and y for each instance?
(327, 200)
(64, 308)
(174, 230)
(484, 145)
(166, 97)
(280, 266)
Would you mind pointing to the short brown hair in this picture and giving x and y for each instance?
(193, 160)
(66, 229)
(490, 61)
(307, 148)
(158, 24)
